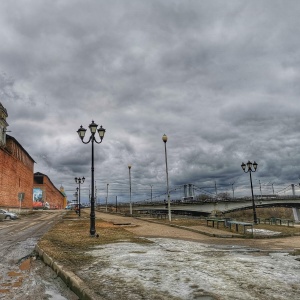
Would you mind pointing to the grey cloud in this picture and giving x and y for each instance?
(220, 79)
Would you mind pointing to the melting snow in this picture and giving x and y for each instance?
(263, 232)
(189, 269)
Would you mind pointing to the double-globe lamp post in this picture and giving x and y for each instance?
(165, 139)
(79, 181)
(250, 170)
(81, 132)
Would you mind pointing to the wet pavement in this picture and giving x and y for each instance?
(22, 275)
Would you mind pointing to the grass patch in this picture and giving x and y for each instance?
(69, 240)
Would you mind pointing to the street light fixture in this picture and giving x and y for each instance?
(79, 181)
(165, 139)
(81, 132)
(250, 170)
(130, 204)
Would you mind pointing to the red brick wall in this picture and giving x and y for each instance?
(51, 194)
(16, 176)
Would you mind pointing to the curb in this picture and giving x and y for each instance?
(75, 284)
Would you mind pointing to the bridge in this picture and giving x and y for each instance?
(211, 206)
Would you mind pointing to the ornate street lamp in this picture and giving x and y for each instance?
(81, 132)
(79, 181)
(165, 139)
(250, 170)
(130, 203)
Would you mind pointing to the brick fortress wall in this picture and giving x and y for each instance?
(16, 175)
(51, 194)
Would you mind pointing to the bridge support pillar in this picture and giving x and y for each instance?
(296, 212)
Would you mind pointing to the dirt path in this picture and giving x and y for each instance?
(144, 228)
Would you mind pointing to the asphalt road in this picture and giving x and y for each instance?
(23, 276)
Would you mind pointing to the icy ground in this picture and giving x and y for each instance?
(190, 270)
(263, 232)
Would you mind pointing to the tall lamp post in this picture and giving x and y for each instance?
(81, 132)
(250, 170)
(130, 204)
(79, 181)
(106, 196)
(165, 139)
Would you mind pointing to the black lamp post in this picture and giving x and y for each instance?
(250, 170)
(165, 139)
(79, 181)
(130, 203)
(81, 132)
(106, 197)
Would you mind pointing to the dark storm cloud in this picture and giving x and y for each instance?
(219, 78)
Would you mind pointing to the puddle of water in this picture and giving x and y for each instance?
(14, 274)
(25, 265)
(18, 283)
(16, 278)
(55, 295)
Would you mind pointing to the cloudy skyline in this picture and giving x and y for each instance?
(219, 78)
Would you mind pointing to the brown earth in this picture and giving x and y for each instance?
(69, 244)
(69, 240)
(143, 228)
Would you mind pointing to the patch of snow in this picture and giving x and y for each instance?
(263, 232)
(187, 269)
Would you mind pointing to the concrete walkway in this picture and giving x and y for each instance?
(149, 227)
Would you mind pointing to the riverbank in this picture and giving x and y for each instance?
(138, 259)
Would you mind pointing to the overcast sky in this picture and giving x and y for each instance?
(219, 78)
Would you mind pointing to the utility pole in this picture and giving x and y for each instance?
(106, 196)
(260, 189)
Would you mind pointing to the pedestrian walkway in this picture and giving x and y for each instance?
(149, 227)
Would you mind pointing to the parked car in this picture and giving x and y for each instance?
(8, 215)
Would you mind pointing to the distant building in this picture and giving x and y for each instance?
(62, 190)
(45, 194)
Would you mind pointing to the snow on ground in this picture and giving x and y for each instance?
(190, 270)
(263, 232)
